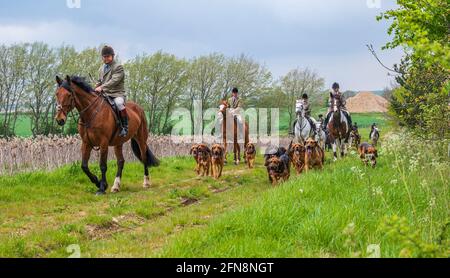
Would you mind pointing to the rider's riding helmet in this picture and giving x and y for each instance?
(235, 90)
(336, 86)
(107, 51)
(305, 96)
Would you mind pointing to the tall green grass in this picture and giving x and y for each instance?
(402, 207)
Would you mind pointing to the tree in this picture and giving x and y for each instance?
(41, 62)
(248, 75)
(12, 86)
(158, 81)
(205, 82)
(298, 82)
(421, 27)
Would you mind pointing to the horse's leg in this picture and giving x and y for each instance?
(335, 150)
(238, 148)
(343, 148)
(103, 168)
(86, 155)
(143, 148)
(120, 164)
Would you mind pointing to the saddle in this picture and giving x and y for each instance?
(115, 110)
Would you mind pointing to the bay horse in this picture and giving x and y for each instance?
(98, 129)
(339, 129)
(236, 147)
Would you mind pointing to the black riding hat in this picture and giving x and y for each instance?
(305, 96)
(235, 90)
(107, 50)
(336, 86)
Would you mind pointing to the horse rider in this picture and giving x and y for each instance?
(373, 128)
(235, 105)
(336, 94)
(355, 127)
(112, 84)
(307, 111)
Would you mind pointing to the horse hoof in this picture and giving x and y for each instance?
(100, 193)
(147, 183)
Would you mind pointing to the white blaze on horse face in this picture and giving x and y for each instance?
(299, 106)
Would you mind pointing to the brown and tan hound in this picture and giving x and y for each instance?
(217, 160)
(314, 155)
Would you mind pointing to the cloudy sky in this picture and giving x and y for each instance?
(328, 36)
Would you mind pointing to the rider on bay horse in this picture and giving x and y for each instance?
(337, 95)
(112, 84)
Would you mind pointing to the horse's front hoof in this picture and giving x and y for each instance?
(100, 193)
(147, 184)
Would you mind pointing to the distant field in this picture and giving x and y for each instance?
(23, 128)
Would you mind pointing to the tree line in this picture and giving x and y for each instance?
(420, 99)
(160, 82)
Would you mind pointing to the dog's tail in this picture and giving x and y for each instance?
(152, 161)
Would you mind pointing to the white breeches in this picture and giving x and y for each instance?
(120, 103)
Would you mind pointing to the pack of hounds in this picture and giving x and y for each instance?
(210, 161)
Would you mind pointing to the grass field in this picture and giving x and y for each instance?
(23, 125)
(338, 212)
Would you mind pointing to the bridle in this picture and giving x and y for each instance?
(68, 108)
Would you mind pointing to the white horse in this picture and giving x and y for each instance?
(303, 129)
(321, 136)
(375, 136)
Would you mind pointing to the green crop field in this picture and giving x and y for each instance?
(342, 211)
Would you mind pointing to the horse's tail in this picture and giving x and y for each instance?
(152, 161)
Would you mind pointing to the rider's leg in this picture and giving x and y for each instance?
(313, 125)
(327, 119)
(120, 102)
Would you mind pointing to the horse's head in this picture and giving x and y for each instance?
(336, 104)
(65, 101)
(299, 107)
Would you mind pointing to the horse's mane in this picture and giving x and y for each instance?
(82, 83)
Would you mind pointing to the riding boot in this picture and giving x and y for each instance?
(313, 126)
(124, 120)
(327, 119)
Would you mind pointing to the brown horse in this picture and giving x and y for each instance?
(98, 129)
(339, 129)
(236, 146)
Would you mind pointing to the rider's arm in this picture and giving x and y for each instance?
(117, 77)
(100, 77)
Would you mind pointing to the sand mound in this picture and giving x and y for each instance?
(367, 102)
